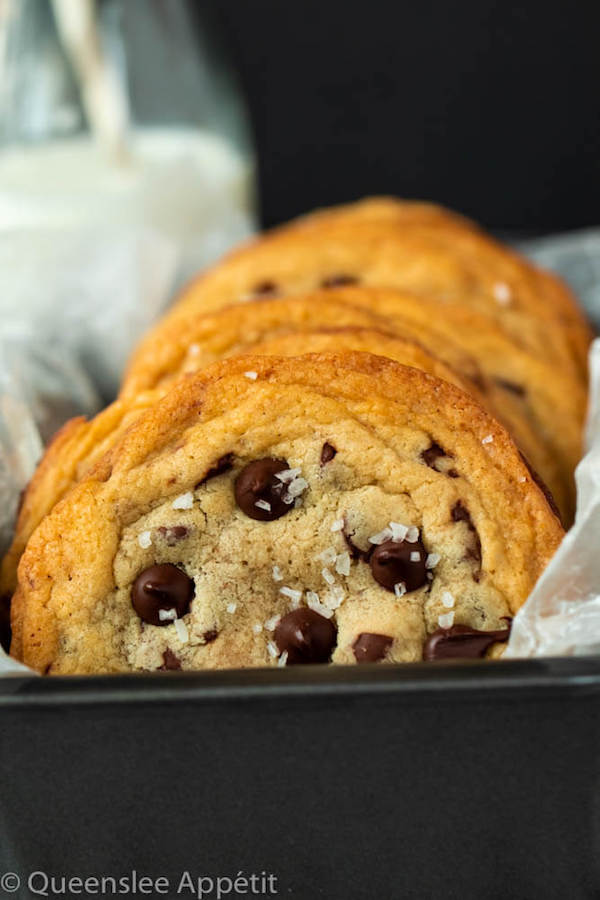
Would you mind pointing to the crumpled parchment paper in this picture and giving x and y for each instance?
(100, 293)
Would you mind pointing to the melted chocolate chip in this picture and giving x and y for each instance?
(370, 648)
(338, 280)
(161, 587)
(511, 386)
(257, 482)
(460, 513)
(264, 287)
(391, 564)
(432, 454)
(173, 534)
(328, 451)
(170, 662)
(307, 637)
(210, 636)
(461, 642)
(543, 488)
(223, 464)
(355, 552)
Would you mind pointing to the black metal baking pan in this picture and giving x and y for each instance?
(445, 780)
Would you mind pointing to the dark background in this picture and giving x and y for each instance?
(489, 106)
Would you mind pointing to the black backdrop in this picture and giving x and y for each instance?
(490, 106)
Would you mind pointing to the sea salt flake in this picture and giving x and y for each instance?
(488, 439)
(446, 620)
(167, 615)
(399, 531)
(271, 624)
(251, 375)
(328, 556)
(522, 479)
(288, 475)
(277, 576)
(337, 525)
(282, 659)
(272, 650)
(184, 501)
(194, 349)
(263, 504)
(415, 556)
(400, 589)
(335, 597)
(320, 608)
(297, 487)
(145, 539)
(291, 593)
(447, 600)
(381, 536)
(231, 607)
(327, 575)
(182, 631)
(432, 560)
(342, 564)
(412, 534)
(257, 628)
(502, 293)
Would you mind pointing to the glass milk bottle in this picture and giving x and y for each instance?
(122, 114)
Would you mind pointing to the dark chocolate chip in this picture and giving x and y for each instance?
(511, 386)
(431, 455)
(460, 513)
(173, 534)
(307, 637)
(391, 564)
(210, 636)
(355, 552)
(257, 482)
(543, 488)
(370, 648)
(461, 642)
(264, 287)
(338, 280)
(170, 662)
(328, 451)
(161, 587)
(223, 464)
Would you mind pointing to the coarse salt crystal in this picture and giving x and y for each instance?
(342, 564)
(167, 615)
(291, 593)
(335, 597)
(399, 531)
(263, 504)
(412, 534)
(522, 479)
(231, 607)
(145, 539)
(272, 650)
(381, 536)
(271, 624)
(400, 589)
(446, 620)
(311, 595)
(297, 487)
(327, 575)
(328, 556)
(282, 659)
(184, 501)
(432, 560)
(447, 600)
(487, 439)
(319, 607)
(277, 576)
(182, 631)
(502, 293)
(415, 556)
(288, 475)
(251, 375)
(257, 628)
(337, 525)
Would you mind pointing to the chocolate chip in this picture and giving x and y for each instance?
(432, 454)
(264, 287)
(355, 552)
(257, 482)
(223, 464)
(370, 648)
(391, 564)
(543, 487)
(338, 280)
(307, 637)
(170, 662)
(161, 587)
(460, 513)
(328, 451)
(461, 642)
(511, 386)
(173, 534)
(210, 636)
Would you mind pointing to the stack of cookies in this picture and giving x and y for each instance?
(340, 445)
